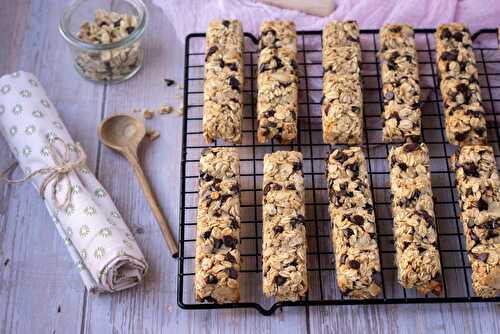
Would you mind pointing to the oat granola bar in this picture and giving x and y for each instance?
(400, 79)
(218, 227)
(342, 102)
(415, 235)
(464, 114)
(357, 262)
(284, 241)
(478, 187)
(277, 82)
(224, 82)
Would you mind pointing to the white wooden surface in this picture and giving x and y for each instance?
(40, 292)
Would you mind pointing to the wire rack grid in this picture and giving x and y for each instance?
(321, 271)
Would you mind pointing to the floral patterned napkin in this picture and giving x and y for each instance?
(99, 241)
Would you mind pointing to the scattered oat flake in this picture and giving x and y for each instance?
(180, 86)
(148, 114)
(165, 109)
(152, 134)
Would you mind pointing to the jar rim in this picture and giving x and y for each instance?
(78, 43)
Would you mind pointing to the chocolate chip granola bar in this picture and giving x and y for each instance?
(284, 241)
(224, 81)
(218, 227)
(478, 187)
(415, 235)
(401, 90)
(357, 262)
(459, 84)
(277, 82)
(342, 102)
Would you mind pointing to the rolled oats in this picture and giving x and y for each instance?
(114, 64)
(357, 262)
(401, 91)
(459, 84)
(415, 235)
(478, 187)
(224, 82)
(218, 227)
(342, 102)
(284, 240)
(277, 82)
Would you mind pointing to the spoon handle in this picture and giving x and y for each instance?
(150, 197)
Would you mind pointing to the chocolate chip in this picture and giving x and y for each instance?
(491, 234)
(343, 257)
(232, 66)
(395, 115)
(427, 217)
(354, 264)
(463, 88)
(208, 299)
(354, 167)
(341, 157)
(297, 165)
(449, 55)
(458, 36)
(279, 63)
(169, 82)
(482, 257)
(217, 243)
(482, 205)
(389, 96)
(230, 258)
(269, 113)
(235, 189)
(278, 229)
(272, 124)
(368, 207)
(294, 263)
(207, 234)
(406, 245)
(395, 29)
(461, 136)
(445, 34)
(411, 147)
(226, 23)
(295, 221)
(272, 31)
(231, 272)
(470, 170)
(116, 24)
(421, 249)
(480, 131)
(276, 186)
(352, 38)
(280, 280)
(234, 224)
(234, 83)
(291, 186)
(474, 236)
(357, 219)
(211, 279)
(229, 241)
(211, 51)
(403, 166)
(348, 232)
(130, 29)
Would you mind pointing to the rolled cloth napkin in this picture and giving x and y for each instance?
(103, 248)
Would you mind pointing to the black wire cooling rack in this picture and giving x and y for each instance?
(321, 271)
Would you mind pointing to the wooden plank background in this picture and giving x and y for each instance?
(40, 292)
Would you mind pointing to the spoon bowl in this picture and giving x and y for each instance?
(122, 131)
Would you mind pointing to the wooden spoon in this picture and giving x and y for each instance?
(124, 133)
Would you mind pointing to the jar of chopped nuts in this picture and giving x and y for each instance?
(104, 37)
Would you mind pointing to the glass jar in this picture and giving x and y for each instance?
(116, 61)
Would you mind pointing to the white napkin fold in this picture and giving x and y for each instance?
(99, 241)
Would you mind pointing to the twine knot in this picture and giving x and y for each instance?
(63, 165)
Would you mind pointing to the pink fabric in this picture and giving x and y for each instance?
(194, 15)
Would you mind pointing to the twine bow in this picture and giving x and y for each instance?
(58, 173)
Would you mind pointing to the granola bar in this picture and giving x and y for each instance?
(459, 84)
(357, 262)
(401, 90)
(218, 227)
(342, 102)
(478, 187)
(277, 82)
(415, 236)
(284, 241)
(224, 81)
